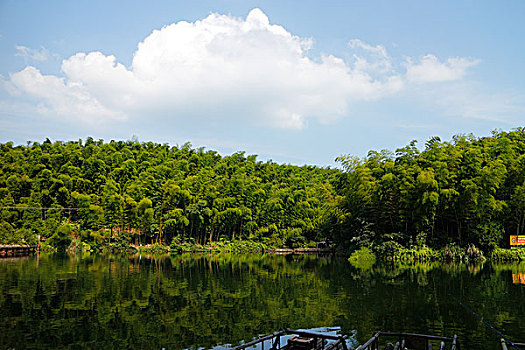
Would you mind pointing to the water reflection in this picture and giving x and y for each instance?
(190, 301)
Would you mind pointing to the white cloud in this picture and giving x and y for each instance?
(499, 107)
(376, 58)
(430, 69)
(56, 97)
(32, 54)
(247, 70)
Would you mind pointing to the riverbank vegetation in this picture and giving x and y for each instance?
(461, 198)
(464, 195)
(120, 193)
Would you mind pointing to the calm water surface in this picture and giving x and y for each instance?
(195, 301)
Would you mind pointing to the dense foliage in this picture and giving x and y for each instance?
(131, 192)
(460, 196)
(467, 191)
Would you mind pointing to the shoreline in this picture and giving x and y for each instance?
(405, 255)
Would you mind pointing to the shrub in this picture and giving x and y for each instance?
(77, 245)
(423, 253)
(61, 239)
(388, 249)
(513, 254)
(182, 244)
(452, 252)
(155, 248)
(490, 235)
(474, 254)
(46, 248)
(363, 258)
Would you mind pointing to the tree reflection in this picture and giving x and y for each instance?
(190, 301)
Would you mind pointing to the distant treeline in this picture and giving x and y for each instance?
(148, 192)
(466, 191)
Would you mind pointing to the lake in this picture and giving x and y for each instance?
(207, 301)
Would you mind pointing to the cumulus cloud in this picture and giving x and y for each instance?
(429, 69)
(56, 97)
(227, 64)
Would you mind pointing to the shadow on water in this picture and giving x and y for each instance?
(208, 300)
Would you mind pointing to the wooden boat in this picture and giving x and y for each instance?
(298, 339)
(409, 341)
(506, 345)
(307, 340)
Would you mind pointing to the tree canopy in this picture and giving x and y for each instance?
(152, 192)
(466, 191)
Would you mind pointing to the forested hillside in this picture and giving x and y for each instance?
(147, 192)
(466, 191)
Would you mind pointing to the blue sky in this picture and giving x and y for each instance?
(299, 83)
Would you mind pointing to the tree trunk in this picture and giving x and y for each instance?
(159, 236)
(211, 233)
(240, 231)
(520, 224)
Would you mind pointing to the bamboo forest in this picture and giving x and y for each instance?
(262, 175)
(466, 192)
(145, 245)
